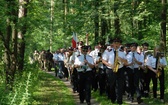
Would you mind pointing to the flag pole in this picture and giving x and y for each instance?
(76, 39)
(87, 35)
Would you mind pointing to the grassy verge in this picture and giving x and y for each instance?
(35, 87)
(51, 91)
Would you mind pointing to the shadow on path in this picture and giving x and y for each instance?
(75, 95)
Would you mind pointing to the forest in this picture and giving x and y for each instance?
(28, 25)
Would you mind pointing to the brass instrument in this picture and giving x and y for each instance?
(116, 63)
(159, 68)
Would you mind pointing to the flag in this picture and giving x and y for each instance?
(74, 40)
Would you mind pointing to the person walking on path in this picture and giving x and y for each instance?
(84, 64)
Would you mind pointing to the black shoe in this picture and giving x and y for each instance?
(113, 101)
(88, 103)
(128, 97)
(139, 101)
(132, 100)
(146, 95)
(162, 100)
(81, 102)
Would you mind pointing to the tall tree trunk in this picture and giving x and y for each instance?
(51, 26)
(65, 19)
(163, 24)
(133, 22)
(116, 20)
(10, 43)
(140, 35)
(21, 44)
(96, 21)
(104, 27)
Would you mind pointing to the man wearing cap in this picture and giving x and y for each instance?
(134, 62)
(84, 64)
(115, 80)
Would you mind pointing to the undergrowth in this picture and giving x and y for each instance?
(23, 88)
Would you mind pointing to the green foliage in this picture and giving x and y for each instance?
(139, 22)
(22, 90)
(80, 19)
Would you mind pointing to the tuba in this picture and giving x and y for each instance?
(116, 63)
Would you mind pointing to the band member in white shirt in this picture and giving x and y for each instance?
(145, 74)
(101, 68)
(156, 65)
(84, 64)
(134, 62)
(114, 61)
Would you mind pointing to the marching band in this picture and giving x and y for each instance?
(113, 70)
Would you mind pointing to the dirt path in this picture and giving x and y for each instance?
(93, 101)
(75, 95)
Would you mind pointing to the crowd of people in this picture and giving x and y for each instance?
(114, 70)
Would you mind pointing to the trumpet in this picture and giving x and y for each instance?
(116, 63)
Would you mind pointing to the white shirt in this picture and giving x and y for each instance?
(145, 56)
(55, 57)
(94, 53)
(142, 58)
(151, 61)
(79, 60)
(61, 57)
(70, 61)
(130, 59)
(109, 57)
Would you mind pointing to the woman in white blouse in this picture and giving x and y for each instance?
(153, 63)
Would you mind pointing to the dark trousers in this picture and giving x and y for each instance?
(102, 80)
(126, 82)
(85, 86)
(74, 79)
(152, 76)
(94, 79)
(115, 82)
(56, 68)
(66, 73)
(161, 83)
(62, 68)
(49, 64)
(133, 78)
(146, 76)
(142, 81)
